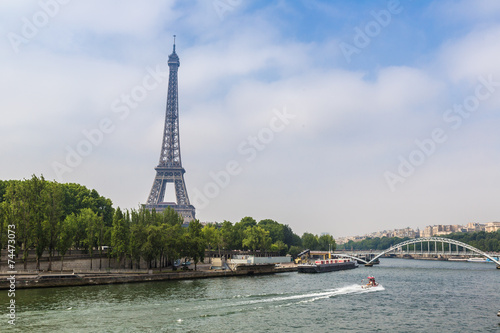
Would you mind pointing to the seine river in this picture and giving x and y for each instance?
(414, 296)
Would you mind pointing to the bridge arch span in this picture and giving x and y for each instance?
(343, 255)
(434, 239)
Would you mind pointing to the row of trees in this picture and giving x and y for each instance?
(37, 208)
(324, 242)
(50, 217)
(376, 243)
(484, 241)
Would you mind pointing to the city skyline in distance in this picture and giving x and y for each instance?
(428, 231)
(329, 117)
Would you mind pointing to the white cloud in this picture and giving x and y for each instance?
(323, 172)
(475, 54)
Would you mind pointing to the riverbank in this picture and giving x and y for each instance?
(33, 279)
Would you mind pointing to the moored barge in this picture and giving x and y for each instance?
(327, 265)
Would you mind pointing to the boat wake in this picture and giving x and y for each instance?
(311, 297)
(256, 302)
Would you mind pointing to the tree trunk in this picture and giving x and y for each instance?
(25, 256)
(50, 260)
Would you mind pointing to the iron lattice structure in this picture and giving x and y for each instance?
(169, 169)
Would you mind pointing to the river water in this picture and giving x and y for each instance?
(413, 296)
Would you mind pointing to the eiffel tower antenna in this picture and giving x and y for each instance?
(169, 169)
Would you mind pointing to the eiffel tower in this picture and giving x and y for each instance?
(170, 169)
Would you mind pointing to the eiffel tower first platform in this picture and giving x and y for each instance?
(169, 169)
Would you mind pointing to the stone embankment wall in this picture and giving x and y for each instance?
(74, 261)
(35, 280)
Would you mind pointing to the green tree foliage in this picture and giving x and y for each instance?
(90, 219)
(212, 236)
(275, 229)
(246, 222)
(119, 235)
(65, 239)
(35, 187)
(484, 241)
(228, 236)
(151, 249)
(194, 242)
(310, 241)
(294, 250)
(232, 236)
(3, 224)
(256, 238)
(53, 210)
(172, 232)
(170, 217)
(78, 197)
(239, 229)
(17, 213)
(290, 238)
(279, 247)
(137, 237)
(326, 242)
(314, 243)
(38, 208)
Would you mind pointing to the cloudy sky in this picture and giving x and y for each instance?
(330, 116)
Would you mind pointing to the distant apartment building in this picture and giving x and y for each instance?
(473, 227)
(492, 226)
(441, 229)
(428, 231)
(406, 232)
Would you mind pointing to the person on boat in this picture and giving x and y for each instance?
(371, 281)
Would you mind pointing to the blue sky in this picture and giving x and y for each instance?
(344, 117)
